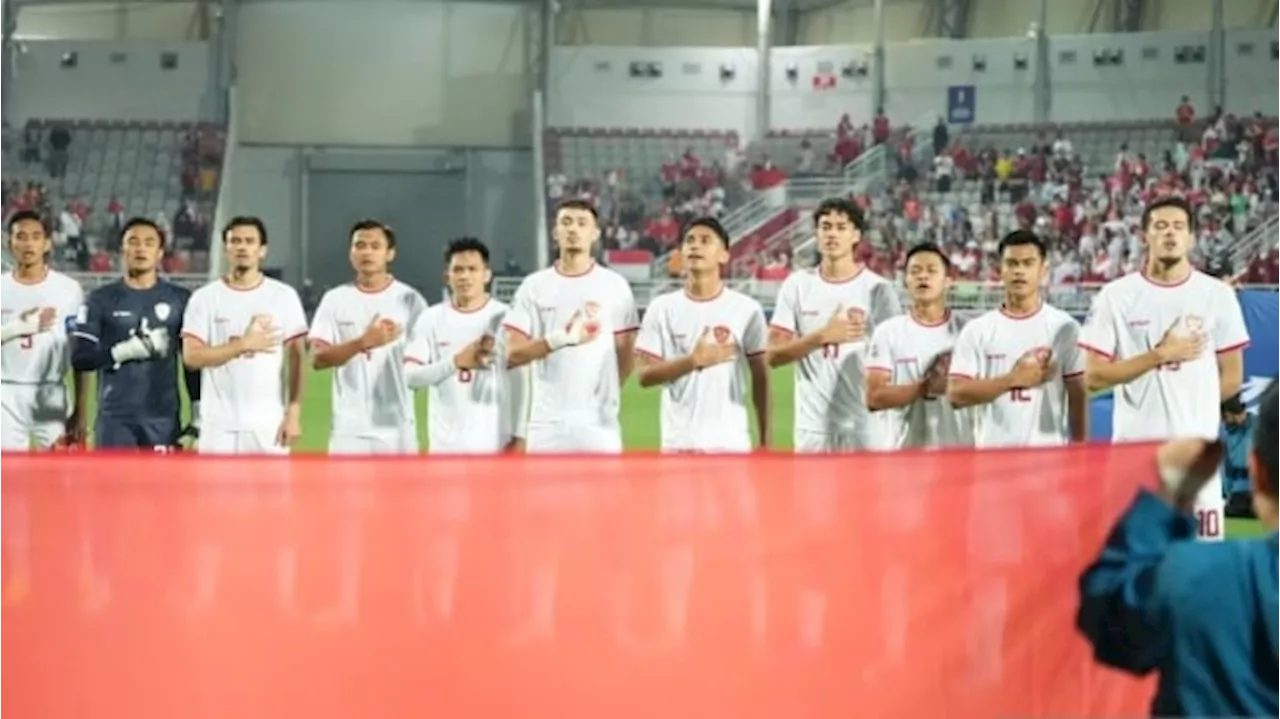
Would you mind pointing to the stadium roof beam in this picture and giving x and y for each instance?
(1128, 15)
(949, 18)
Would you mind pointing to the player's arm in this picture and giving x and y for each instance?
(1230, 338)
(326, 350)
(1077, 408)
(786, 344)
(295, 351)
(1102, 369)
(658, 364)
(880, 391)
(423, 366)
(624, 338)
(88, 353)
(1231, 372)
(965, 385)
(1071, 358)
(516, 408)
(758, 365)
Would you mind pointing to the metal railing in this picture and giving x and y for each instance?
(1263, 237)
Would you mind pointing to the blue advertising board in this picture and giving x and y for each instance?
(962, 108)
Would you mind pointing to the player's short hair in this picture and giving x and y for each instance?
(1264, 440)
(841, 206)
(1176, 201)
(929, 248)
(579, 205)
(133, 222)
(246, 221)
(1022, 238)
(710, 223)
(466, 244)
(369, 223)
(26, 216)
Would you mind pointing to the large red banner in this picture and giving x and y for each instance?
(895, 585)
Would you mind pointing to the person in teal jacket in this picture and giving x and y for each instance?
(1237, 444)
(1201, 615)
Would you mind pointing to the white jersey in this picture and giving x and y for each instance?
(905, 348)
(1130, 316)
(707, 410)
(473, 411)
(575, 385)
(45, 357)
(370, 395)
(247, 393)
(990, 345)
(829, 382)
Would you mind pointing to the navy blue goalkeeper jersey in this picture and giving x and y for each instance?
(112, 314)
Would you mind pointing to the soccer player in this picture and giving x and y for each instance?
(822, 320)
(576, 323)
(37, 310)
(703, 344)
(475, 404)
(246, 333)
(127, 332)
(1171, 341)
(1019, 364)
(909, 359)
(359, 330)
(1018, 367)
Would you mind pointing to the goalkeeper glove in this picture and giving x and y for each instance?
(146, 343)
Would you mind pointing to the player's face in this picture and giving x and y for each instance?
(142, 249)
(468, 275)
(576, 230)
(28, 243)
(1168, 236)
(370, 252)
(837, 235)
(927, 279)
(1021, 270)
(244, 247)
(703, 250)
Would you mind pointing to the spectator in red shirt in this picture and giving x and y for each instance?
(663, 229)
(880, 129)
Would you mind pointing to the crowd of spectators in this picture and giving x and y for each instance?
(87, 238)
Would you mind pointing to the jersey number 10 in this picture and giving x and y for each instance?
(1019, 394)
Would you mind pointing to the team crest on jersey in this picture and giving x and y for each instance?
(1193, 323)
(82, 315)
(722, 334)
(591, 310)
(162, 311)
(855, 314)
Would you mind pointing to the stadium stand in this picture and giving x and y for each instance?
(87, 177)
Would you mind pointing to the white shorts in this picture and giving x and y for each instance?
(215, 440)
(809, 442)
(402, 441)
(563, 438)
(1211, 511)
(32, 414)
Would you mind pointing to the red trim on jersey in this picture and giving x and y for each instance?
(780, 328)
(413, 360)
(1026, 316)
(32, 283)
(757, 353)
(517, 330)
(1233, 348)
(562, 273)
(839, 280)
(194, 336)
(649, 355)
(878, 368)
(946, 317)
(958, 375)
(626, 330)
(464, 311)
(390, 281)
(712, 298)
(226, 282)
(1167, 285)
(1072, 375)
(1090, 348)
(319, 342)
(299, 335)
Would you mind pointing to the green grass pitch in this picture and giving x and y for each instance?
(639, 421)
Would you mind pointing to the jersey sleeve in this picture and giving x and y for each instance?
(523, 317)
(884, 303)
(651, 342)
(71, 312)
(419, 349)
(89, 319)
(196, 318)
(880, 351)
(324, 330)
(966, 358)
(293, 318)
(1070, 356)
(1229, 330)
(1099, 333)
(784, 316)
(628, 319)
(755, 338)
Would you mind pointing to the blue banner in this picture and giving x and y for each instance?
(1261, 359)
(962, 108)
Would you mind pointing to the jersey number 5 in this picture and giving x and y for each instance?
(1020, 394)
(830, 351)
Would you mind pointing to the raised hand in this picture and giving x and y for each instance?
(709, 351)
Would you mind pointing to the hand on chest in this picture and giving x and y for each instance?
(565, 309)
(1146, 331)
(844, 321)
(354, 322)
(718, 331)
(145, 316)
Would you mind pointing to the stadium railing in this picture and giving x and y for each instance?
(1261, 238)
